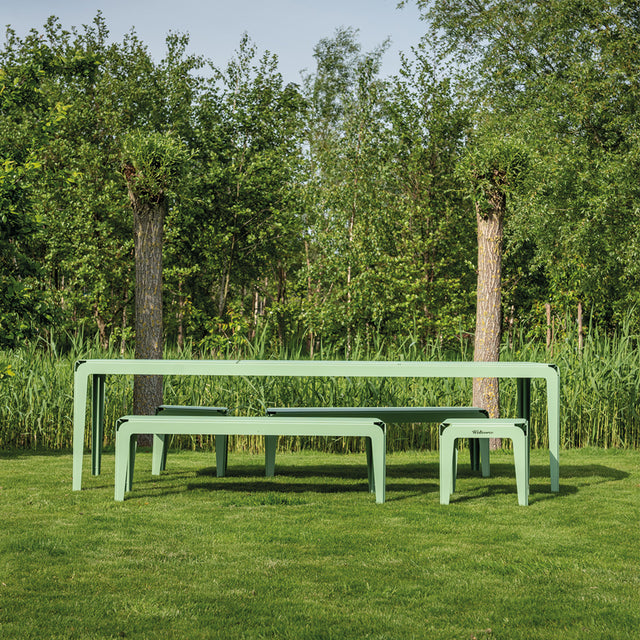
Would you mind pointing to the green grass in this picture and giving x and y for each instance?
(309, 554)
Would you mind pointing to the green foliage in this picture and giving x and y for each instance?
(493, 162)
(561, 77)
(28, 120)
(332, 209)
(389, 242)
(152, 162)
(599, 386)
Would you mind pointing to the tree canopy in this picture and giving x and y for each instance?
(342, 205)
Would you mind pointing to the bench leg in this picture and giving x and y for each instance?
(133, 445)
(474, 453)
(159, 459)
(454, 467)
(370, 471)
(521, 462)
(125, 445)
(97, 422)
(270, 446)
(484, 457)
(222, 448)
(378, 445)
(448, 463)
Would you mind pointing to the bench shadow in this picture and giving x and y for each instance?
(403, 481)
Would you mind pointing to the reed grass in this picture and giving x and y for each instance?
(600, 403)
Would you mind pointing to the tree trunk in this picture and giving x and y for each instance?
(148, 221)
(180, 316)
(123, 341)
(488, 306)
(580, 329)
(102, 328)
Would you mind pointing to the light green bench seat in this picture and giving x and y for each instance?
(128, 427)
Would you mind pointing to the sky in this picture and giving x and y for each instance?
(288, 28)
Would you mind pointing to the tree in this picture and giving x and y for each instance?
(94, 94)
(564, 75)
(246, 198)
(387, 238)
(427, 130)
(28, 120)
(151, 162)
(493, 166)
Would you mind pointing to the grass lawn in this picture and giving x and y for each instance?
(310, 555)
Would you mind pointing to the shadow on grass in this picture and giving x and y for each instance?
(17, 454)
(403, 481)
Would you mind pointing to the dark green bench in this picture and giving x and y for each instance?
(388, 415)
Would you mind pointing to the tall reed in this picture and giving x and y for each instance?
(600, 399)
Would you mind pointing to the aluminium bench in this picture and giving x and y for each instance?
(128, 427)
(515, 429)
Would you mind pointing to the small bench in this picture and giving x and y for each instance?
(128, 427)
(515, 429)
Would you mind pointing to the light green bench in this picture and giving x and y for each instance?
(129, 427)
(515, 429)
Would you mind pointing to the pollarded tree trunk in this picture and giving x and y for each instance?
(488, 307)
(151, 162)
(148, 221)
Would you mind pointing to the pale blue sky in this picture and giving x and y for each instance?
(288, 28)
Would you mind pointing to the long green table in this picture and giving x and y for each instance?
(96, 372)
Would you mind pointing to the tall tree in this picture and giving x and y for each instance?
(29, 120)
(426, 133)
(151, 161)
(247, 189)
(98, 92)
(564, 74)
(346, 164)
(493, 166)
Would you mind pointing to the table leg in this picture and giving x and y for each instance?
(97, 422)
(553, 413)
(80, 384)
(523, 404)
(222, 454)
(523, 410)
(553, 420)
